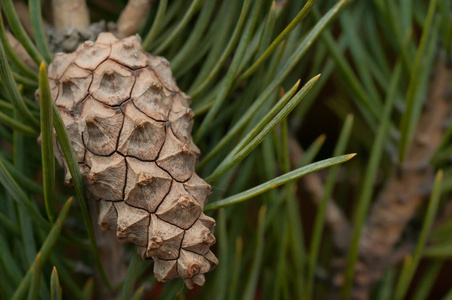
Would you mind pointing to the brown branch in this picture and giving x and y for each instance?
(133, 16)
(334, 217)
(112, 255)
(20, 51)
(445, 215)
(70, 14)
(23, 13)
(402, 194)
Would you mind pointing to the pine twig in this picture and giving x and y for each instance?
(133, 17)
(24, 16)
(398, 201)
(20, 51)
(110, 251)
(70, 14)
(334, 217)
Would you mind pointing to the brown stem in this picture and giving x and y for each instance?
(445, 215)
(24, 16)
(20, 51)
(112, 255)
(70, 14)
(335, 219)
(133, 16)
(402, 194)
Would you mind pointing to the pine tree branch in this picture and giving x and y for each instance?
(133, 17)
(334, 217)
(402, 195)
(70, 14)
(20, 51)
(24, 16)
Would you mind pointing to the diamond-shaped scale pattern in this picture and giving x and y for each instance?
(130, 127)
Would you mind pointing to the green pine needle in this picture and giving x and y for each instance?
(278, 181)
(47, 151)
(55, 288)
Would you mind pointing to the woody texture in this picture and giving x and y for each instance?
(130, 127)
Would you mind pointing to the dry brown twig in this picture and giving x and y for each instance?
(133, 16)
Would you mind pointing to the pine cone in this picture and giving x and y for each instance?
(130, 127)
